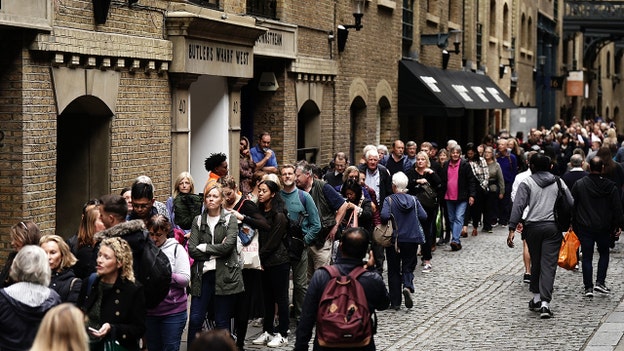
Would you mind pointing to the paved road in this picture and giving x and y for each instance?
(474, 299)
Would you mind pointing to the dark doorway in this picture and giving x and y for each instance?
(83, 160)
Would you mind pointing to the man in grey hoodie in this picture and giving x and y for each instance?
(539, 192)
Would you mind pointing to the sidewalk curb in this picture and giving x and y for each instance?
(608, 337)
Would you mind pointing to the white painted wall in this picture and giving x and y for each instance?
(209, 124)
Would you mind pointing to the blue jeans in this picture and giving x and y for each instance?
(456, 212)
(224, 307)
(163, 333)
(401, 270)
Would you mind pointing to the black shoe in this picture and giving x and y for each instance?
(535, 306)
(441, 242)
(589, 292)
(545, 312)
(407, 295)
(601, 288)
(395, 308)
(455, 246)
(526, 278)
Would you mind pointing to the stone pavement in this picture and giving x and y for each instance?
(474, 299)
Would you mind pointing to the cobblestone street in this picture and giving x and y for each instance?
(474, 299)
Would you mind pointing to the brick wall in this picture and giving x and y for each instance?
(141, 132)
(11, 196)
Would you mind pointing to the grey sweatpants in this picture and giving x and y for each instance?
(544, 242)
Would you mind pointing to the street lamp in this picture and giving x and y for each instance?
(343, 29)
(541, 61)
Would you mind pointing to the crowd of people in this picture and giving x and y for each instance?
(234, 247)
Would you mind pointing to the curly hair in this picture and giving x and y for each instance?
(214, 160)
(67, 257)
(123, 254)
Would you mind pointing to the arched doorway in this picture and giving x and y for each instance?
(308, 132)
(359, 136)
(83, 159)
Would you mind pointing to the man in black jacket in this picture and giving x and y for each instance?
(597, 214)
(353, 247)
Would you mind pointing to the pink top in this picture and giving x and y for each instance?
(452, 184)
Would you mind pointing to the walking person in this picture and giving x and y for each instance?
(597, 214)
(460, 189)
(496, 189)
(353, 248)
(538, 193)
(408, 214)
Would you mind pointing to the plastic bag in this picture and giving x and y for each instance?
(567, 253)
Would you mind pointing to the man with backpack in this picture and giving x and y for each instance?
(151, 266)
(342, 299)
(302, 210)
(542, 229)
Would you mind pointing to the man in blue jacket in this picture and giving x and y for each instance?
(353, 248)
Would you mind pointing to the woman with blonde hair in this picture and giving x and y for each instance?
(183, 190)
(216, 273)
(62, 329)
(61, 261)
(21, 234)
(115, 303)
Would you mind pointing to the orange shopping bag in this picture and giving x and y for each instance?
(567, 253)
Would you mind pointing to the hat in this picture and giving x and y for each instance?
(434, 145)
(595, 139)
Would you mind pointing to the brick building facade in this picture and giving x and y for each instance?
(93, 96)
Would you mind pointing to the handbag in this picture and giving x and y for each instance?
(382, 233)
(251, 254)
(245, 232)
(427, 197)
(567, 252)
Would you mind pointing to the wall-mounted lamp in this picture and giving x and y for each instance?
(343, 29)
(446, 56)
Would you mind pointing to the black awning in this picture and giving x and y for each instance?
(421, 87)
(422, 91)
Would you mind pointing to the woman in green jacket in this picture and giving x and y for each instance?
(216, 277)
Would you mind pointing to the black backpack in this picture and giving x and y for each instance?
(562, 209)
(155, 274)
(185, 208)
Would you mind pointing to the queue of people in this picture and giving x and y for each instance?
(431, 195)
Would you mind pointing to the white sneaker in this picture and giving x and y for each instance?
(278, 341)
(427, 268)
(263, 339)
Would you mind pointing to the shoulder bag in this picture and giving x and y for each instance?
(382, 233)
